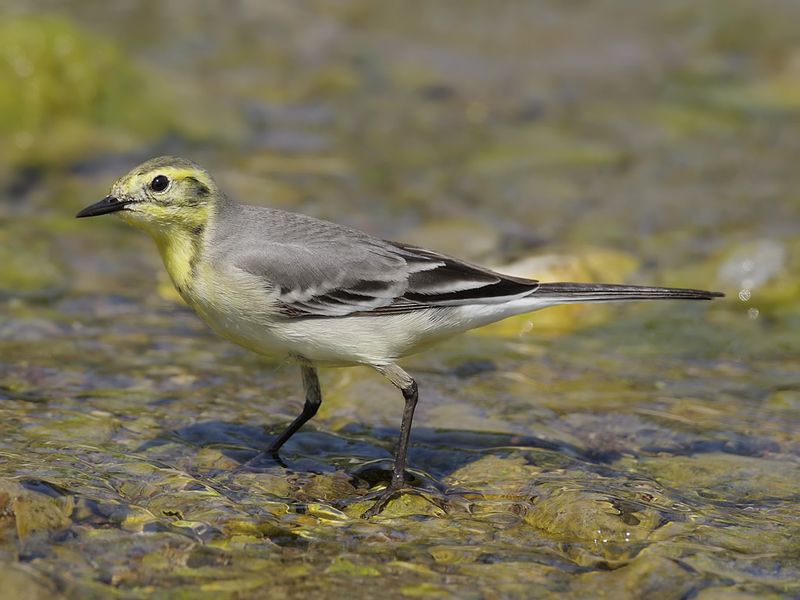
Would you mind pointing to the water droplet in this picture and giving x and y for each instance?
(744, 294)
(752, 313)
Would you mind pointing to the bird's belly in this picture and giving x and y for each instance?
(235, 309)
(347, 340)
(331, 341)
(252, 336)
(248, 329)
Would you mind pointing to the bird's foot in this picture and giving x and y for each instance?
(383, 499)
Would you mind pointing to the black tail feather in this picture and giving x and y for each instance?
(606, 292)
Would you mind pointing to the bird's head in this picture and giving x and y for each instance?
(161, 196)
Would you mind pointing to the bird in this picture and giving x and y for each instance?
(281, 283)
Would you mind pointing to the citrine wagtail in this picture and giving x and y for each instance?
(280, 283)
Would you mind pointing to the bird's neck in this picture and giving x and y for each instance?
(181, 250)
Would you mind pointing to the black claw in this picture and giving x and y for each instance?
(389, 493)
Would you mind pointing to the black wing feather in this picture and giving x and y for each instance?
(432, 280)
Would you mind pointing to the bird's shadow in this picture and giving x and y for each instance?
(365, 453)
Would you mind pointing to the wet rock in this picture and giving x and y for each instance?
(36, 509)
(461, 416)
(591, 516)
(326, 487)
(22, 582)
(341, 565)
(414, 503)
(90, 427)
(645, 577)
(743, 539)
(357, 395)
(606, 437)
(736, 592)
(726, 476)
(503, 474)
(454, 554)
(514, 579)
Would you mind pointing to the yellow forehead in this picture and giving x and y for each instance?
(174, 173)
(144, 174)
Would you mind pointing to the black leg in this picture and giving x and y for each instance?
(310, 408)
(409, 388)
(411, 396)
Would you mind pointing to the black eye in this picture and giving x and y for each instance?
(159, 183)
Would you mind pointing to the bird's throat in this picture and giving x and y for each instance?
(180, 252)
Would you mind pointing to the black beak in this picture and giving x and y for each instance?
(107, 205)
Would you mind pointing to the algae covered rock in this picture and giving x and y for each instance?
(495, 474)
(726, 476)
(23, 582)
(574, 515)
(36, 507)
(647, 576)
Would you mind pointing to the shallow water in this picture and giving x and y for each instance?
(649, 450)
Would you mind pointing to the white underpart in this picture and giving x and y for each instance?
(361, 339)
(382, 339)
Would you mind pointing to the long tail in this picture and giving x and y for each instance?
(563, 293)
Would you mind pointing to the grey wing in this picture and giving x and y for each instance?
(366, 276)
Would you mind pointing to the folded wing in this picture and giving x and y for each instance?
(358, 275)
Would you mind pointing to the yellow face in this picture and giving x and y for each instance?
(161, 196)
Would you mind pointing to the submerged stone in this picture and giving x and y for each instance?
(726, 477)
(645, 577)
(591, 516)
(23, 582)
(34, 511)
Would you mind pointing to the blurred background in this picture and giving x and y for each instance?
(666, 132)
(595, 140)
